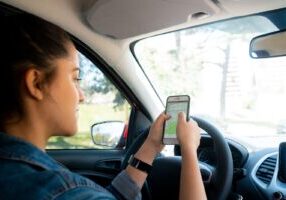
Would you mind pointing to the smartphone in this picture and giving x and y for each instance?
(174, 105)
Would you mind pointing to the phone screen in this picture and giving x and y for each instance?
(173, 109)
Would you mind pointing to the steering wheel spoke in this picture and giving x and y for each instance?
(207, 172)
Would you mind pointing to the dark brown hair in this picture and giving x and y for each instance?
(26, 41)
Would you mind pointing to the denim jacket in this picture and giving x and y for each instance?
(27, 172)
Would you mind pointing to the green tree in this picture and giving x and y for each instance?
(94, 81)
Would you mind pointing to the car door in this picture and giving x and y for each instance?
(107, 100)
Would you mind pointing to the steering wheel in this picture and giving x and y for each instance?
(164, 179)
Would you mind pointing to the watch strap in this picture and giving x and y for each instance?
(139, 164)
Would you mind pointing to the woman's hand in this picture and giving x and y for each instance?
(188, 133)
(154, 139)
(153, 143)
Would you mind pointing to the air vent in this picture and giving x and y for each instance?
(266, 169)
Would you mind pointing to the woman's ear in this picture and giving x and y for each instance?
(34, 83)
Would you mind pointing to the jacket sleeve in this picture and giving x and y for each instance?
(123, 187)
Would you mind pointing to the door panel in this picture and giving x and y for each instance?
(100, 166)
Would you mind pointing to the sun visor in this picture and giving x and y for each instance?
(127, 18)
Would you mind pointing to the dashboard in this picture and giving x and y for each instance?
(255, 173)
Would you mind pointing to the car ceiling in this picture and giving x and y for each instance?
(129, 18)
(132, 18)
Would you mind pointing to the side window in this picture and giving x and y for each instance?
(103, 117)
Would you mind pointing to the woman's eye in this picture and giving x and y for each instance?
(77, 80)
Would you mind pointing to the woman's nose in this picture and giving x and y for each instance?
(81, 95)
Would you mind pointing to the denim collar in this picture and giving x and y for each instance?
(13, 148)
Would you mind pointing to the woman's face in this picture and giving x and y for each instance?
(64, 95)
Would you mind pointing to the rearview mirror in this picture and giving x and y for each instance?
(268, 45)
(109, 134)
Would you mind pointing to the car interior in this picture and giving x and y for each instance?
(228, 55)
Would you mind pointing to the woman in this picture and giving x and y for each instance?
(40, 98)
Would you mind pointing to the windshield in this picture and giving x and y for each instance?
(211, 63)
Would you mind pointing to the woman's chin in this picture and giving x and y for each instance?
(67, 133)
(70, 134)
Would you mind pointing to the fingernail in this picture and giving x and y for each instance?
(181, 114)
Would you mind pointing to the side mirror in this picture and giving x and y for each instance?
(109, 134)
(268, 45)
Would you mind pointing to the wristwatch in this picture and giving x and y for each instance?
(139, 164)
